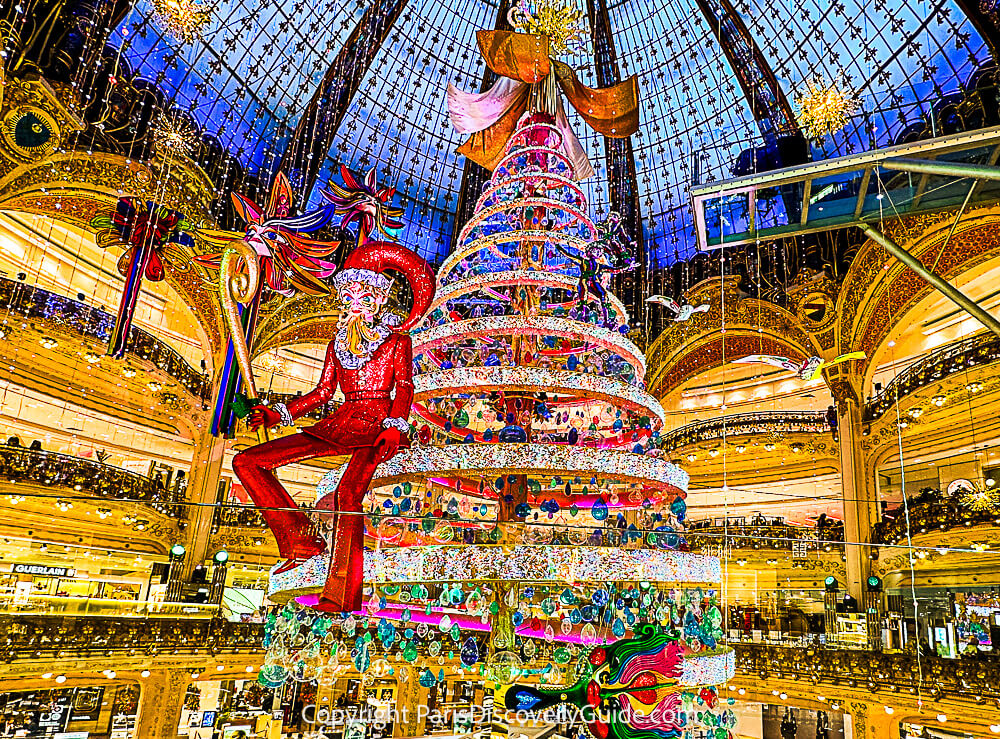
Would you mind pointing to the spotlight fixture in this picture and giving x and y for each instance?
(939, 400)
(144, 673)
(128, 372)
(48, 342)
(60, 678)
(154, 386)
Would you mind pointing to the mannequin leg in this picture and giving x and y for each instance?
(254, 467)
(345, 578)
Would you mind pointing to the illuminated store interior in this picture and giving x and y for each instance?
(499, 369)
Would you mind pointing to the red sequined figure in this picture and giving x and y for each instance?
(370, 359)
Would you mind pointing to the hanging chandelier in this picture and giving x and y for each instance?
(980, 499)
(824, 108)
(183, 19)
(561, 21)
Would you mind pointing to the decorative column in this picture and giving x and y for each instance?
(203, 490)
(161, 697)
(860, 506)
(874, 611)
(410, 696)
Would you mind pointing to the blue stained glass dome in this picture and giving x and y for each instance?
(250, 76)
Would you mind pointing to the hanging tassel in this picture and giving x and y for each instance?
(132, 266)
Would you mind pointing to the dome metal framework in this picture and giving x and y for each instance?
(250, 77)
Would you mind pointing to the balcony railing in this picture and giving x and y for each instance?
(874, 671)
(957, 357)
(20, 465)
(32, 302)
(57, 605)
(31, 637)
(238, 516)
(768, 536)
(744, 424)
(929, 511)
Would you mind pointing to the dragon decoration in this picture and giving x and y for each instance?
(631, 689)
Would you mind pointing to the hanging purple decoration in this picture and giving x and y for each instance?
(144, 229)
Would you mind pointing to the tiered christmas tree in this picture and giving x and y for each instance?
(532, 518)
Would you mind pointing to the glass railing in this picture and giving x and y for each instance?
(61, 605)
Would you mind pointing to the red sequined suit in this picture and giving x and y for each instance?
(351, 429)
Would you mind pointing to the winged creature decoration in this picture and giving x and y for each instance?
(681, 312)
(809, 369)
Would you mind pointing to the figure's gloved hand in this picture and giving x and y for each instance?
(387, 444)
(262, 416)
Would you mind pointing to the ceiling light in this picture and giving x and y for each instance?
(128, 372)
(942, 718)
(46, 676)
(60, 678)
(974, 387)
(144, 673)
(890, 710)
(154, 386)
(939, 400)
(48, 342)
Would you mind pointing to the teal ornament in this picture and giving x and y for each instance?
(599, 510)
(362, 658)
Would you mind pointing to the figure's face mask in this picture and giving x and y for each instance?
(265, 240)
(361, 301)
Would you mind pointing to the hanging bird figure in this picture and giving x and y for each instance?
(806, 370)
(681, 312)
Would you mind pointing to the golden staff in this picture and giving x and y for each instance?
(240, 286)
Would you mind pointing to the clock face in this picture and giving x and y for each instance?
(960, 485)
(816, 310)
(29, 133)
